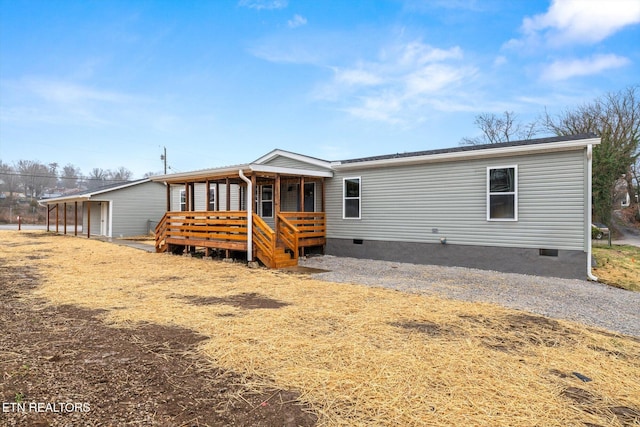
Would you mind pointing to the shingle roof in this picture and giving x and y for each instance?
(471, 148)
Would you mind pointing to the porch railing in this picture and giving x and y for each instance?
(311, 226)
(228, 230)
(288, 234)
(264, 239)
(220, 229)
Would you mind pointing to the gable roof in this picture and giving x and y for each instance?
(294, 156)
(88, 194)
(551, 144)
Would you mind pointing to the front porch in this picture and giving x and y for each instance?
(228, 231)
(273, 217)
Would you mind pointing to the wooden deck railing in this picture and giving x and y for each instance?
(264, 239)
(311, 227)
(288, 234)
(220, 229)
(228, 230)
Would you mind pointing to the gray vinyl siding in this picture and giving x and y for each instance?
(286, 162)
(200, 196)
(424, 203)
(135, 208)
(289, 199)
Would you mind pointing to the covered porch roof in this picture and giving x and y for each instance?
(231, 172)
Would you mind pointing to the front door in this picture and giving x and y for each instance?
(309, 197)
(104, 219)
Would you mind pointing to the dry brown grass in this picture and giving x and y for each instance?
(618, 265)
(359, 355)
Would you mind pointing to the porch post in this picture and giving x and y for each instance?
(217, 207)
(301, 195)
(323, 196)
(192, 197)
(228, 184)
(207, 194)
(57, 215)
(75, 219)
(276, 202)
(48, 220)
(254, 187)
(168, 196)
(186, 196)
(65, 217)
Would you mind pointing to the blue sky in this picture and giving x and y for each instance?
(104, 84)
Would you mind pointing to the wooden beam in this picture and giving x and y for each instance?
(75, 219)
(186, 196)
(168, 197)
(57, 216)
(253, 196)
(228, 183)
(217, 195)
(65, 217)
(193, 196)
(207, 195)
(301, 195)
(276, 201)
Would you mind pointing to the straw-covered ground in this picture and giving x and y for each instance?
(152, 339)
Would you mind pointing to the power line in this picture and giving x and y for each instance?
(80, 178)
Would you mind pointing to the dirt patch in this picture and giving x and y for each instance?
(428, 328)
(593, 404)
(91, 374)
(247, 301)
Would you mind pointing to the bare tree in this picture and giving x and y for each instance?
(70, 176)
(8, 179)
(615, 118)
(502, 128)
(97, 178)
(121, 174)
(35, 177)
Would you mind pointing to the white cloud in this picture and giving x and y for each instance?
(403, 79)
(565, 69)
(297, 21)
(263, 4)
(582, 21)
(357, 77)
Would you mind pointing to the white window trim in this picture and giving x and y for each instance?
(212, 192)
(344, 198)
(262, 201)
(514, 193)
(183, 196)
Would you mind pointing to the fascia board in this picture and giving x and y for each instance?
(199, 174)
(474, 154)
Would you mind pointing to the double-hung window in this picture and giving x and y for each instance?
(267, 201)
(502, 193)
(351, 207)
(183, 200)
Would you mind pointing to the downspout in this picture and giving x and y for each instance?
(249, 215)
(589, 207)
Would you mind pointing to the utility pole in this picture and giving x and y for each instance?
(164, 157)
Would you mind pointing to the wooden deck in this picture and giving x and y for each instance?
(227, 230)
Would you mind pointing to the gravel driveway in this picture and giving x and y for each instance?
(586, 302)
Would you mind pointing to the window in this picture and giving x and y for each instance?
(502, 193)
(212, 197)
(183, 200)
(351, 193)
(267, 201)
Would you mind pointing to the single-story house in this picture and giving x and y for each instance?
(125, 209)
(521, 206)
